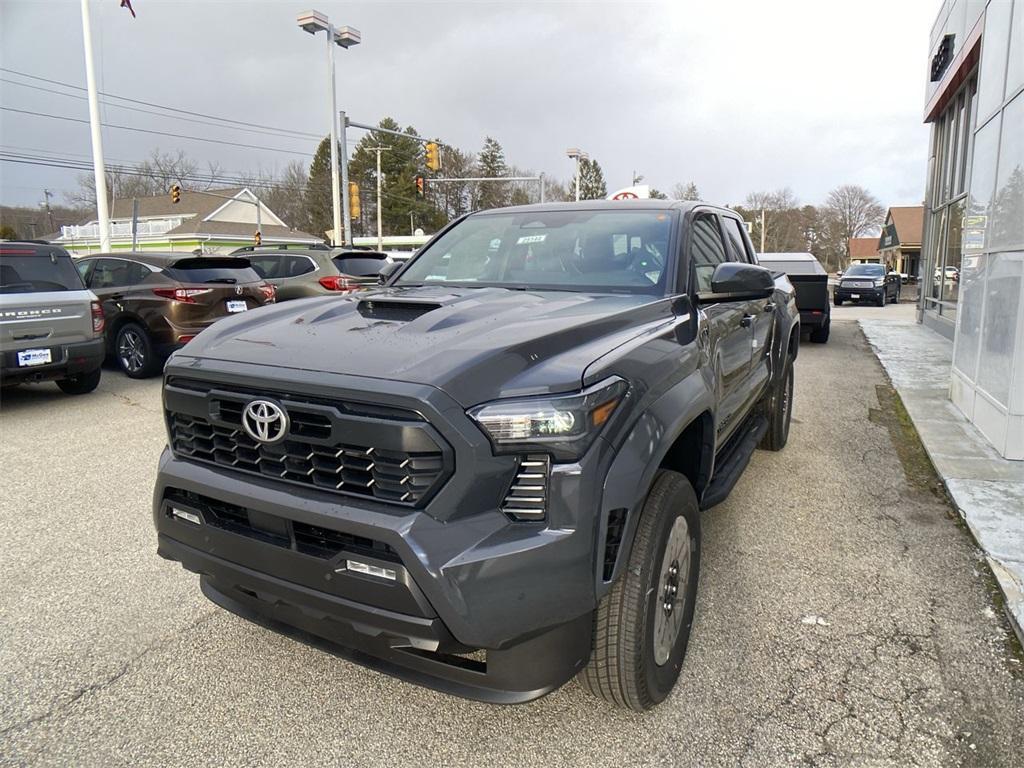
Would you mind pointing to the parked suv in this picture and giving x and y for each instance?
(487, 476)
(51, 325)
(867, 282)
(316, 271)
(157, 302)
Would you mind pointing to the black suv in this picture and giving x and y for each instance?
(486, 476)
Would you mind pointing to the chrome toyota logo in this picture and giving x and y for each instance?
(265, 421)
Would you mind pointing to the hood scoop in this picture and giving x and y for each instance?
(395, 309)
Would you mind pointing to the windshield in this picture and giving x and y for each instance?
(621, 251)
(29, 271)
(865, 270)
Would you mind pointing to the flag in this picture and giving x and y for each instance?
(128, 4)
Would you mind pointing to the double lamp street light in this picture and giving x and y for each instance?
(314, 22)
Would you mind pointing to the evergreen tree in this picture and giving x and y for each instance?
(491, 163)
(592, 186)
(319, 204)
(657, 194)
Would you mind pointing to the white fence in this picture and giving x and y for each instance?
(120, 229)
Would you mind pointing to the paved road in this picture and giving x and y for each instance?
(845, 618)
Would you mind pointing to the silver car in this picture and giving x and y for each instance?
(51, 325)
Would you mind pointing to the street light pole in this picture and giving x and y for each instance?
(346, 203)
(314, 22)
(578, 154)
(99, 169)
(380, 231)
(335, 182)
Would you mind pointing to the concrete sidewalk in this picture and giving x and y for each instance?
(986, 488)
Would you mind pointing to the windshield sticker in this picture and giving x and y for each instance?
(531, 239)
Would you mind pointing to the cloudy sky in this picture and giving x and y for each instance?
(735, 96)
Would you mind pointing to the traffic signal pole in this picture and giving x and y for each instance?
(380, 231)
(346, 203)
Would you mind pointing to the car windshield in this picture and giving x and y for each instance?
(580, 250)
(26, 270)
(865, 270)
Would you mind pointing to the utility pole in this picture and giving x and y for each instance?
(99, 169)
(345, 202)
(380, 231)
(47, 194)
(762, 230)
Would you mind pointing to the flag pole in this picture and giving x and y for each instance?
(102, 211)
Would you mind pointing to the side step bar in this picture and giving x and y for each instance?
(730, 466)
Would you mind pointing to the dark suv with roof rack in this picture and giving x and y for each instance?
(487, 475)
(156, 303)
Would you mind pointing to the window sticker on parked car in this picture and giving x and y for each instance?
(531, 239)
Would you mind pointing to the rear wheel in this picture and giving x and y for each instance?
(820, 334)
(134, 351)
(642, 626)
(777, 406)
(81, 383)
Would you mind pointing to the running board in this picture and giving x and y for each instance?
(729, 467)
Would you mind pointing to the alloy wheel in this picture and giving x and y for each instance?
(672, 590)
(131, 350)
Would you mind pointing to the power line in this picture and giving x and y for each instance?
(244, 124)
(158, 133)
(173, 116)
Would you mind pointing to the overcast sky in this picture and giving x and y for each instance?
(735, 96)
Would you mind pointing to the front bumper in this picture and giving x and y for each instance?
(519, 597)
(68, 360)
(862, 294)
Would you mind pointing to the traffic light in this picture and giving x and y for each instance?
(433, 156)
(176, 194)
(257, 238)
(419, 186)
(353, 200)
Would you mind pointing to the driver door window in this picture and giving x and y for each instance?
(706, 250)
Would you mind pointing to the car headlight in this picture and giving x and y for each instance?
(879, 282)
(563, 425)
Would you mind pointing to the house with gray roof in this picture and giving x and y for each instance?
(216, 221)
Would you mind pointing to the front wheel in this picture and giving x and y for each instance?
(881, 299)
(81, 383)
(837, 301)
(642, 626)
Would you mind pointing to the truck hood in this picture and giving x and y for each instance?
(476, 344)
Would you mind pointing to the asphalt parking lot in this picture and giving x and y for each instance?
(845, 618)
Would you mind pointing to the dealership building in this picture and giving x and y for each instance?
(972, 272)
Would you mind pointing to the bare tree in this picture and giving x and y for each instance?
(283, 193)
(687, 191)
(853, 212)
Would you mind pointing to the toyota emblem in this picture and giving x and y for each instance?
(265, 421)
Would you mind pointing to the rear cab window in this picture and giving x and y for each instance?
(207, 269)
(37, 269)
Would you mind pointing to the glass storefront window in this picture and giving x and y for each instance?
(1015, 71)
(937, 241)
(994, 43)
(983, 180)
(972, 296)
(1008, 203)
(950, 276)
(1003, 290)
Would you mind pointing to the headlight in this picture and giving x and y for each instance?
(564, 425)
(879, 282)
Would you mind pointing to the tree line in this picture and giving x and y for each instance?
(301, 197)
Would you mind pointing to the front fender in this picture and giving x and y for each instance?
(640, 455)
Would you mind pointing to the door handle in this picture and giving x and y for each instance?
(746, 321)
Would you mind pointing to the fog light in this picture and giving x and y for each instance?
(182, 514)
(370, 570)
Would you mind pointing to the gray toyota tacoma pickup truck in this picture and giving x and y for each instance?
(487, 475)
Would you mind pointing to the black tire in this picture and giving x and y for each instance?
(820, 334)
(134, 351)
(881, 299)
(624, 666)
(777, 407)
(837, 301)
(81, 383)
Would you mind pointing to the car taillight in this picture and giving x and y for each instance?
(184, 295)
(338, 283)
(269, 292)
(98, 321)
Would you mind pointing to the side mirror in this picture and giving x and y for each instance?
(734, 281)
(389, 269)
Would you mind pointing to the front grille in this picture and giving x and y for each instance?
(358, 470)
(857, 284)
(527, 498)
(308, 539)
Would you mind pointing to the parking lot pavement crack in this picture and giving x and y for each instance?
(126, 668)
(125, 400)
